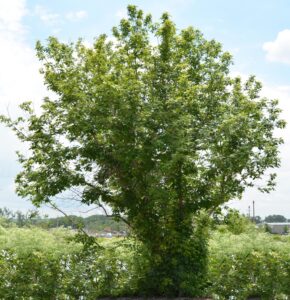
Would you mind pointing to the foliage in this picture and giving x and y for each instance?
(192, 273)
(249, 264)
(237, 223)
(275, 218)
(257, 219)
(27, 240)
(30, 262)
(158, 132)
(267, 228)
(49, 266)
(6, 213)
(39, 264)
(101, 223)
(18, 218)
(92, 224)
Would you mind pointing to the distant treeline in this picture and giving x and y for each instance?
(271, 219)
(94, 223)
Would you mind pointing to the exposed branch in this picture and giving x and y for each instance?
(114, 215)
(54, 206)
(85, 212)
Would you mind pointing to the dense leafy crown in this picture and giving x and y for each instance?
(148, 123)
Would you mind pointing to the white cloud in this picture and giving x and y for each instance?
(19, 76)
(76, 15)
(52, 18)
(279, 49)
(11, 13)
(19, 81)
(46, 16)
(276, 202)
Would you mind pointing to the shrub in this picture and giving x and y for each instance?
(39, 264)
(249, 264)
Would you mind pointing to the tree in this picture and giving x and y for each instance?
(237, 223)
(153, 126)
(6, 213)
(20, 219)
(257, 219)
(275, 218)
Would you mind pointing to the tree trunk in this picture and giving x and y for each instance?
(177, 261)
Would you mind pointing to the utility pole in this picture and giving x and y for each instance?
(253, 210)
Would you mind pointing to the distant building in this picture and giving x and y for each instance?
(110, 234)
(278, 228)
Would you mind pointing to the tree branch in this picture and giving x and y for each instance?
(54, 206)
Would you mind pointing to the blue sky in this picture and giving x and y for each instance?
(257, 33)
(242, 26)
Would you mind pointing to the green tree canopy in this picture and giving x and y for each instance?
(275, 218)
(153, 126)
